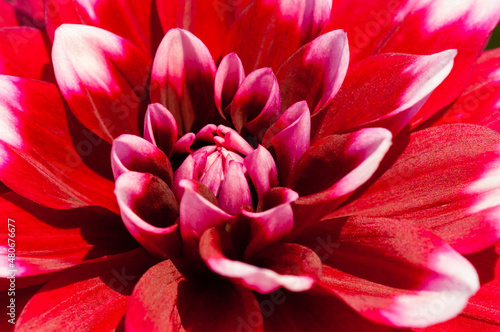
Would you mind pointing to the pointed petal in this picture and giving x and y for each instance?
(17, 46)
(457, 200)
(392, 271)
(168, 295)
(149, 211)
(315, 72)
(133, 153)
(160, 128)
(261, 167)
(228, 79)
(37, 157)
(278, 29)
(182, 79)
(389, 89)
(102, 77)
(234, 191)
(136, 21)
(480, 101)
(98, 292)
(262, 280)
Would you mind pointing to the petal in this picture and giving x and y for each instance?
(149, 211)
(50, 240)
(29, 12)
(388, 89)
(315, 72)
(480, 101)
(262, 280)
(37, 157)
(434, 26)
(102, 77)
(228, 79)
(133, 153)
(182, 79)
(446, 180)
(293, 141)
(136, 21)
(160, 128)
(7, 15)
(234, 191)
(261, 167)
(278, 29)
(97, 292)
(333, 168)
(17, 46)
(272, 224)
(391, 271)
(168, 295)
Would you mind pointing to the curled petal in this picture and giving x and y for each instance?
(262, 169)
(149, 211)
(228, 79)
(234, 191)
(160, 128)
(182, 79)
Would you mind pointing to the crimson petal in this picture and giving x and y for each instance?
(261, 167)
(7, 15)
(160, 128)
(228, 79)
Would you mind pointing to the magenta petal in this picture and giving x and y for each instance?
(133, 153)
(98, 292)
(255, 278)
(234, 191)
(160, 128)
(261, 167)
(37, 157)
(457, 200)
(183, 144)
(168, 296)
(149, 211)
(391, 88)
(315, 72)
(228, 79)
(8, 16)
(257, 103)
(103, 77)
(291, 142)
(182, 79)
(277, 30)
(272, 224)
(17, 46)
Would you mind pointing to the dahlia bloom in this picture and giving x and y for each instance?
(249, 165)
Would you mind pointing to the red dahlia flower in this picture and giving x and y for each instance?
(249, 165)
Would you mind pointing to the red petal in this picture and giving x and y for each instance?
(228, 79)
(182, 79)
(261, 167)
(392, 272)
(149, 211)
(7, 15)
(234, 191)
(102, 76)
(447, 180)
(480, 101)
(17, 46)
(136, 21)
(387, 89)
(90, 297)
(160, 128)
(30, 11)
(38, 158)
(168, 296)
(268, 32)
(315, 72)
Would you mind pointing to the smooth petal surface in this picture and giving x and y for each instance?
(168, 295)
(102, 77)
(133, 153)
(7, 15)
(278, 29)
(387, 89)
(17, 46)
(479, 103)
(457, 200)
(391, 271)
(262, 280)
(315, 72)
(234, 191)
(262, 169)
(136, 21)
(149, 211)
(182, 79)
(160, 128)
(40, 158)
(228, 79)
(91, 297)
(50, 240)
